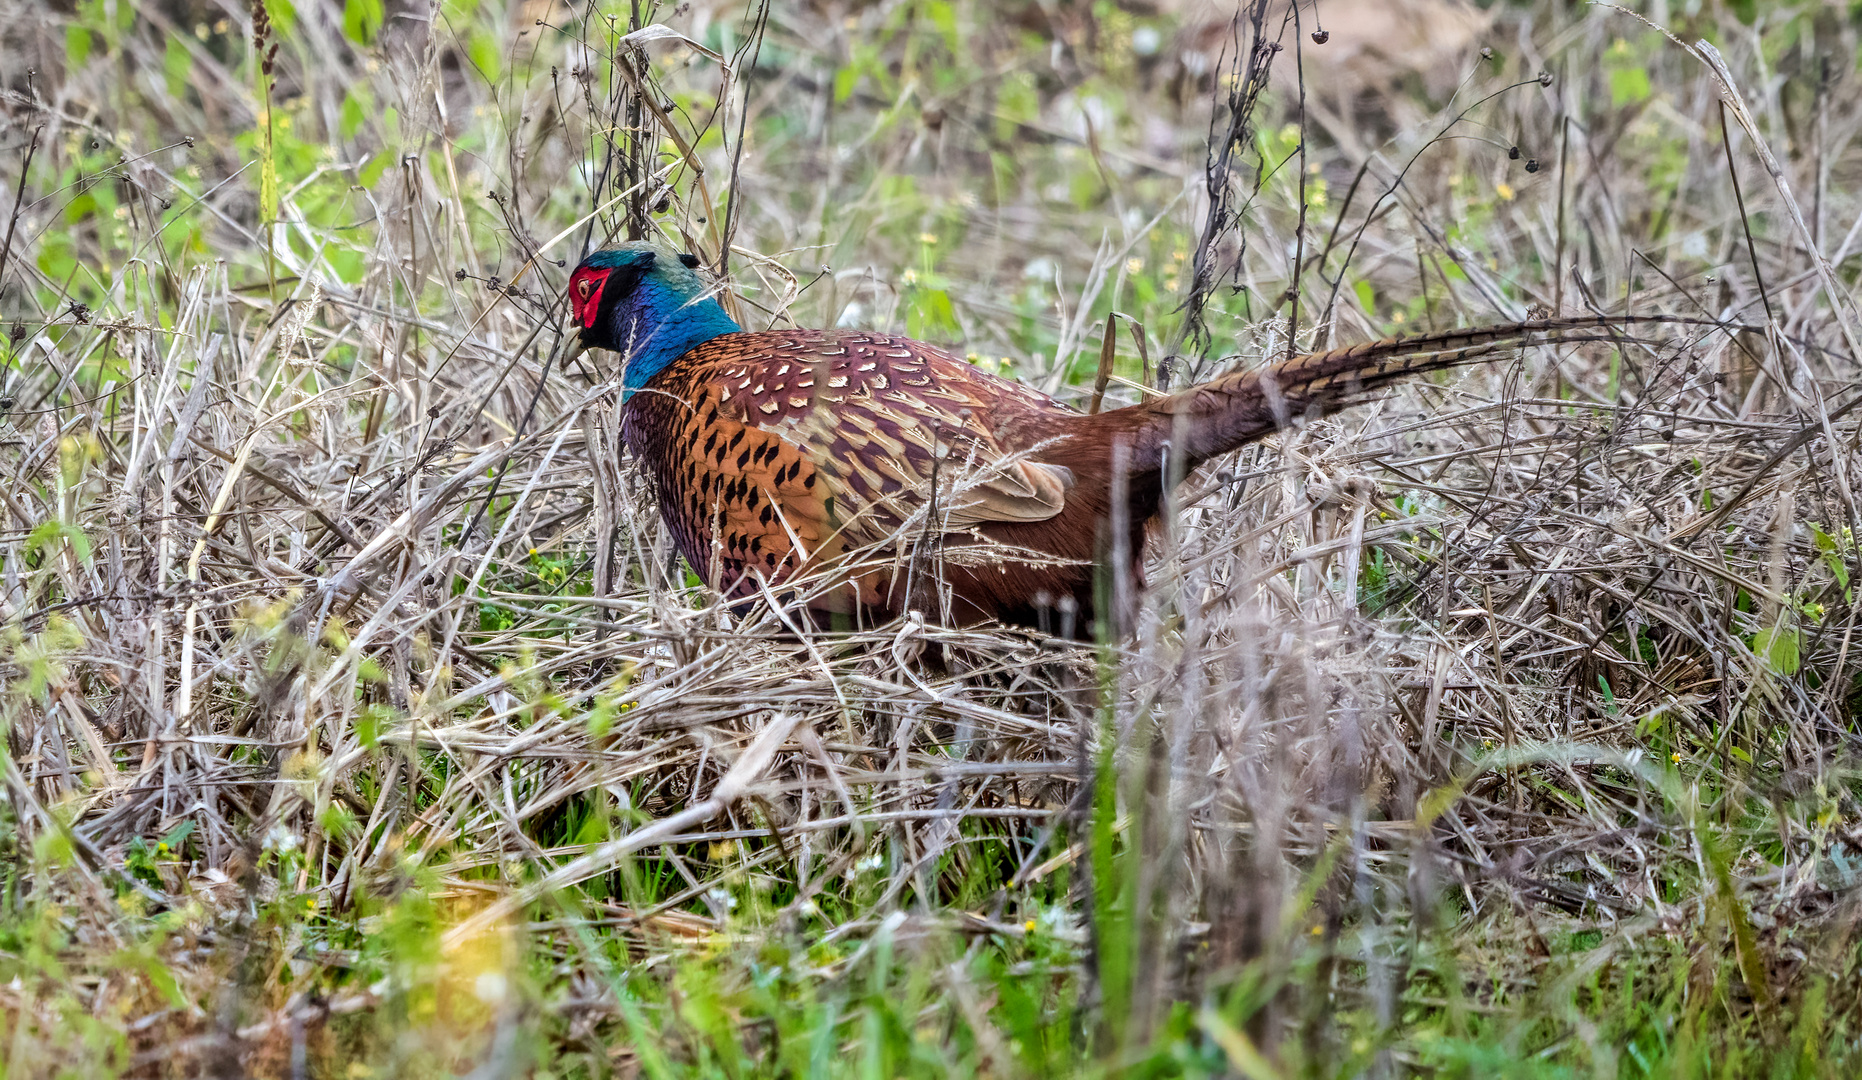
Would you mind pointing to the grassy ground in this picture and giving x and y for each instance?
(361, 723)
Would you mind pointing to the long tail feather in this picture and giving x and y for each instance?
(1234, 409)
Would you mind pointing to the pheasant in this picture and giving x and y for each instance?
(855, 473)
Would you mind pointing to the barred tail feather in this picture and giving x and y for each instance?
(1235, 409)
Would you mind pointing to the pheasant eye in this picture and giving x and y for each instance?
(582, 287)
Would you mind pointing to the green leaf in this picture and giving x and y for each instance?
(1779, 648)
(80, 207)
(177, 66)
(482, 50)
(1017, 103)
(40, 658)
(372, 169)
(1367, 296)
(601, 718)
(178, 835)
(943, 15)
(47, 534)
(370, 723)
(1832, 554)
(53, 848)
(284, 15)
(77, 46)
(1436, 801)
(160, 977)
(1112, 921)
(353, 114)
(337, 820)
(932, 315)
(1629, 85)
(362, 20)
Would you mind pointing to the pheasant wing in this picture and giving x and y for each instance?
(790, 448)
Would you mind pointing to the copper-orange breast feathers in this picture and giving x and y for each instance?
(783, 451)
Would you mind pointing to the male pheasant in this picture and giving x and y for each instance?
(860, 473)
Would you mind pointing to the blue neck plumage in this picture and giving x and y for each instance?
(657, 327)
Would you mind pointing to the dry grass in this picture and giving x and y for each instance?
(327, 596)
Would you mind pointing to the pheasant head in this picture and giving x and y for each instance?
(646, 303)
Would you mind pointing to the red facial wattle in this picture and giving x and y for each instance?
(585, 295)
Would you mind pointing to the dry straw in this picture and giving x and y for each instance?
(293, 565)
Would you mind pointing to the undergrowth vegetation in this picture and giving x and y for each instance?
(360, 720)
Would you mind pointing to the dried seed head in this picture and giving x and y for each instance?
(1512, 153)
(1320, 37)
(1532, 165)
